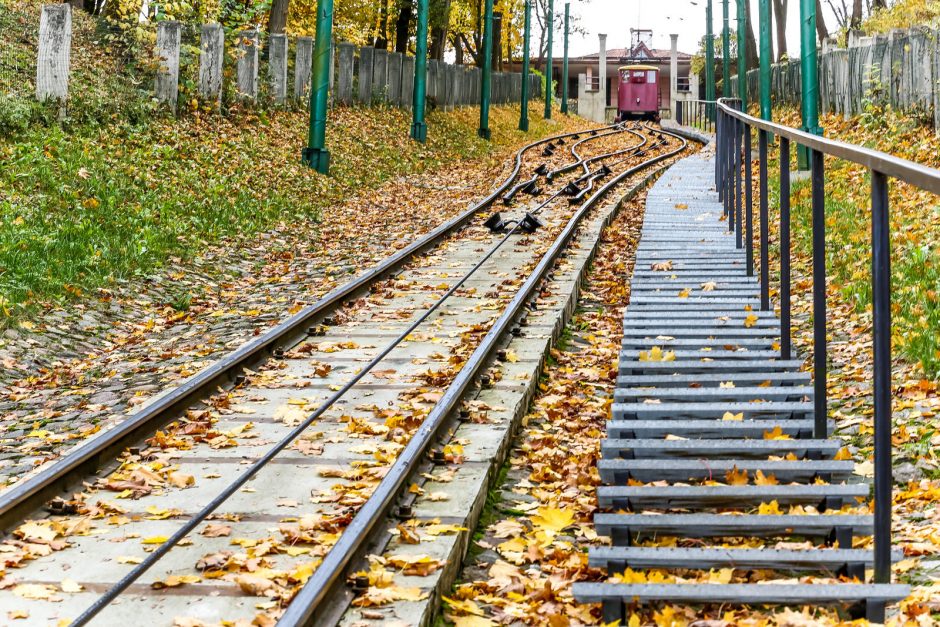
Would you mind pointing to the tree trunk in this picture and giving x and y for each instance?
(403, 27)
(821, 31)
(856, 20)
(751, 43)
(780, 21)
(458, 50)
(381, 34)
(879, 4)
(440, 14)
(277, 19)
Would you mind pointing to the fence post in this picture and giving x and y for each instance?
(394, 78)
(277, 67)
(166, 83)
(366, 59)
(407, 81)
(212, 51)
(303, 62)
(380, 75)
(52, 62)
(248, 65)
(344, 79)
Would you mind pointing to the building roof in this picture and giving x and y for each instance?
(639, 54)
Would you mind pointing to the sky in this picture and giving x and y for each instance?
(683, 17)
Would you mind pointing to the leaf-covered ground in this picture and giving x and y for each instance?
(532, 543)
(115, 338)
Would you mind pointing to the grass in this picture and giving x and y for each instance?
(915, 231)
(119, 188)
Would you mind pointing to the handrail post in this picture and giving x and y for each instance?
(738, 183)
(719, 155)
(748, 202)
(881, 330)
(817, 175)
(764, 227)
(785, 342)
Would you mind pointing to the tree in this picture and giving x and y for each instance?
(750, 42)
(821, 31)
(780, 19)
(277, 19)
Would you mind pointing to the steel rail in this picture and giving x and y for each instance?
(226, 493)
(579, 160)
(303, 609)
(911, 172)
(33, 491)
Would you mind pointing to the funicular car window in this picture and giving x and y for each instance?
(651, 76)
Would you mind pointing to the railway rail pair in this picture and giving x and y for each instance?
(461, 290)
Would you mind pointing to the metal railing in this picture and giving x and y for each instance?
(734, 130)
(698, 114)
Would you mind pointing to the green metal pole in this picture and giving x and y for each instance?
(742, 54)
(315, 155)
(709, 59)
(524, 115)
(725, 52)
(809, 76)
(550, 24)
(765, 54)
(487, 53)
(419, 129)
(564, 65)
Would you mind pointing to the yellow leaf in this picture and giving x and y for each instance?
(34, 591)
(750, 320)
(14, 614)
(730, 416)
(761, 479)
(776, 434)
(736, 477)
(552, 519)
(154, 540)
(843, 454)
(865, 469)
(443, 530)
(33, 531)
(769, 509)
(722, 575)
(685, 293)
(126, 559)
(467, 606)
(511, 356)
(472, 621)
(709, 286)
(657, 354)
(726, 384)
(70, 585)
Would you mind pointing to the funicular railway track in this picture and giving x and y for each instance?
(381, 366)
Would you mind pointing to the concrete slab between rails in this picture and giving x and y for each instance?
(488, 442)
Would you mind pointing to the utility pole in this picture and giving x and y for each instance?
(709, 60)
(550, 25)
(487, 53)
(564, 65)
(765, 53)
(524, 115)
(810, 78)
(419, 130)
(725, 52)
(315, 155)
(742, 54)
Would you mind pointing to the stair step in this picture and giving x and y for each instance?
(717, 354)
(731, 525)
(709, 333)
(727, 448)
(749, 366)
(704, 429)
(684, 497)
(618, 471)
(708, 380)
(671, 343)
(743, 393)
(741, 593)
(619, 558)
(708, 409)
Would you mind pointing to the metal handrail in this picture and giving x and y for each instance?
(733, 135)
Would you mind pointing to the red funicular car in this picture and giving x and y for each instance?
(638, 96)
